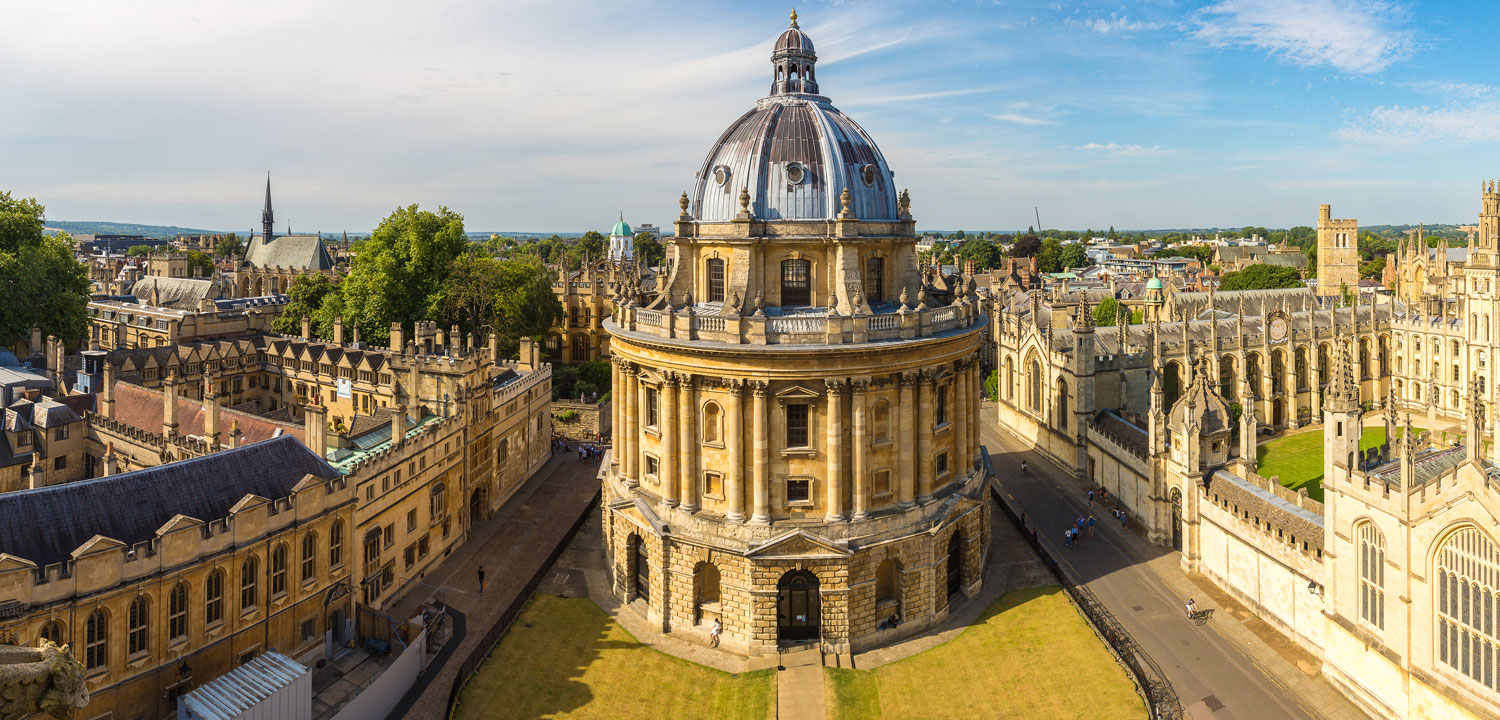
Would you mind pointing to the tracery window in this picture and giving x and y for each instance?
(1035, 399)
(278, 570)
(137, 635)
(213, 598)
(249, 577)
(177, 612)
(1468, 574)
(1371, 575)
(96, 640)
(309, 556)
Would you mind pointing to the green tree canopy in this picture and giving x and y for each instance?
(201, 261)
(511, 297)
(649, 250)
(1106, 313)
(1074, 256)
(1049, 257)
(41, 285)
(1026, 246)
(398, 271)
(1262, 277)
(229, 246)
(304, 298)
(983, 253)
(139, 250)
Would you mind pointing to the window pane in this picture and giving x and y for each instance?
(796, 283)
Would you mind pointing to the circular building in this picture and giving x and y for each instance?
(796, 414)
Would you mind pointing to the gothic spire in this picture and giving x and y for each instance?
(267, 216)
(1343, 393)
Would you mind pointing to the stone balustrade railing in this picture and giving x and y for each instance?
(685, 324)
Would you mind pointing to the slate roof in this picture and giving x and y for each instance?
(143, 408)
(300, 252)
(131, 507)
(176, 293)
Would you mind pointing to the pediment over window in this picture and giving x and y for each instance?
(798, 544)
(797, 393)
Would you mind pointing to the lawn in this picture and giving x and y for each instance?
(566, 658)
(1031, 655)
(1298, 459)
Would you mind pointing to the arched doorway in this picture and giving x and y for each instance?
(1278, 412)
(798, 612)
(478, 506)
(580, 348)
(640, 566)
(705, 590)
(955, 562)
(1176, 498)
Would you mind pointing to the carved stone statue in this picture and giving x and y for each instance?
(44, 679)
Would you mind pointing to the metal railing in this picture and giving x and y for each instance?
(1161, 699)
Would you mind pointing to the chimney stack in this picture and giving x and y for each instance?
(169, 405)
(398, 339)
(338, 331)
(235, 436)
(355, 330)
(107, 392)
(38, 474)
(307, 329)
(111, 462)
(211, 412)
(315, 426)
(494, 349)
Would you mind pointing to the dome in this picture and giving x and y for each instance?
(1153, 284)
(620, 229)
(794, 153)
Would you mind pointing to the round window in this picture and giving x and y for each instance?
(868, 171)
(721, 175)
(795, 173)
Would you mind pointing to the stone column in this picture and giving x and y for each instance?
(1316, 386)
(632, 429)
(961, 461)
(1289, 369)
(861, 440)
(925, 425)
(976, 383)
(907, 471)
(666, 415)
(834, 451)
(616, 408)
(687, 443)
(734, 442)
(761, 475)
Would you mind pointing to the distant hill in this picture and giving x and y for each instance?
(99, 227)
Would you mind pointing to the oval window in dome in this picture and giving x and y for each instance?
(795, 173)
(721, 175)
(868, 172)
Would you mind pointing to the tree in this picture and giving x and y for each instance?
(41, 285)
(1049, 257)
(304, 298)
(512, 298)
(1373, 268)
(139, 250)
(590, 246)
(1107, 313)
(201, 261)
(983, 253)
(1261, 277)
(398, 271)
(229, 246)
(1073, 256)
(649, 250)
(992, 386)
(1026, 246)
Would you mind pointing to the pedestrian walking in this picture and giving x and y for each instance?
(1103, 494)
(481, 580)
(1124, 519)
(713, 633)
(1091, 498)
(1068, 537)
(1091, 525)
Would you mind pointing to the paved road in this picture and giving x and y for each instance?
(1213, 677)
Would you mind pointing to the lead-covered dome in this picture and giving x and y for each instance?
(794, 153)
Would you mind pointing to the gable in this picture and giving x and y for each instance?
(798, 544)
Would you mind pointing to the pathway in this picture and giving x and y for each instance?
(1233, 666)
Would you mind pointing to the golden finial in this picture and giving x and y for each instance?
(794, 17)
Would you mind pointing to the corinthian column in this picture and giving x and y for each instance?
(961, 461)
(734, 442)
(924, 437)
(666, 413)
(861, 440)
(761, 475)
(631, 431)
(907, 472)
(687, 443)
(617, 410)
(835, 451)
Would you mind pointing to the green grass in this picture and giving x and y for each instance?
(1031, 655)
(574, 661)
(1298, 459)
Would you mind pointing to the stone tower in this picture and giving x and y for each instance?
(1343, 422)
(1338, 253)
(267, 217)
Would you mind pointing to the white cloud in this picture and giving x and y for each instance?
(1118, 150)
(1353, 36)
(1018, 119)
(1120, 24)
(1466, 117)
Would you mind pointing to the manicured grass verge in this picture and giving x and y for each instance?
(566, 658)
(1030, 655)
(1298, 459)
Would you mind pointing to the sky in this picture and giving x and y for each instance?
(558, 115)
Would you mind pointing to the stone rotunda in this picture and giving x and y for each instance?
(796, 416)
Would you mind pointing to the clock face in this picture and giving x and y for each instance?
(1278, 328)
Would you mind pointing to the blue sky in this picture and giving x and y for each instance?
(556, 115)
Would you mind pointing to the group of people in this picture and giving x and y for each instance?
(1075, 532)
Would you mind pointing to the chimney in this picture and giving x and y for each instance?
(398, 340)
(525, 358)
(211, 412)
(107, 392)
(315, 427)
(38, 475)
(169, 405)
(111, 462)
(307, 329)
(356, 334)
(338, 330)
(36, 341)
(439, 341)
(398, 415)
(235, 436)
(455, 338)
(494, 349)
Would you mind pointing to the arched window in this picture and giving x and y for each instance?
(1062, 404)
(137, 636)
(1035, 384)
(503, 451)
(796, 283)
(713, 423)
(249, 579)
(1371, 574)
(1453, 399)
(1010, 379)
(715, 272)
(52, 631)
(213, 597)
(177, 612)
(96, 640)
(874, 280)
(278, 570)
(336, 544)
(1468, 640)
(1300, 367)
(888, 582)
(1416, 391)
(309, 556)
(705, 584)
(1226, 378)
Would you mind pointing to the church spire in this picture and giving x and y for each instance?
(267, 217)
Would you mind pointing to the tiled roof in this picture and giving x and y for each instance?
(143, 408)
(300, 252)
(130, 507)
(178, 293)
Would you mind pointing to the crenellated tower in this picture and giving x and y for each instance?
(1338, 253)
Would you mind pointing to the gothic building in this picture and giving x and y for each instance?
(797, 426)
(1393, 579)
(272, 263)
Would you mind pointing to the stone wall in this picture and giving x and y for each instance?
(592, 419)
